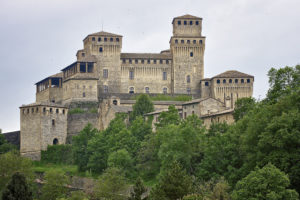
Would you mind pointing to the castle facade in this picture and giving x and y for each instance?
(106, 78)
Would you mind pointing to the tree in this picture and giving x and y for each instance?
(111, 185)
(174, 184)
(4, 145)
(242, 107)
(55, 185)
(79, 144)
(140, 128)
(121, 159)
(10, 163)
(142, 106)
(17, 189)
(138, 190)
(169, 117)
(265, 183)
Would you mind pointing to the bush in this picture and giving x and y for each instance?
(76, 111)
(58, 154)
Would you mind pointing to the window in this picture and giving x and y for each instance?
(236, 80)
(136, 61)
(160, 61)
(197, 22)
(218, 81)
(82, 68)
(130, 61)
(185, 22)
(248, 80)
(148, 61)
(242, 80)
(50, 110)
(83, 94)
(44, 110)
(63, 111)
(131, 75)
(182, 41)
(105, 89)
(90, 67)
(188, 90)
(179, 22)
(200, 41)
(230, 80)
(224, 80)
(57, 111)
(165, 90)
(99, 39)
(206, 83)
(105, 73)
(188, 41)
(191, 22)
(111, 39)
(131, 90)
(167, 61)
(117, 39)
(164, 75)
(105, 39)
(100, 49)
(37, 109)
(55, 141)
(115, 102)
(154, 61)
(124, 60)
(194, 41)
(176, 41)
(53, 122)
(191, 54)
(82, 54)
(93, 38)
(147, 90)
(143, 61)
(188, 78)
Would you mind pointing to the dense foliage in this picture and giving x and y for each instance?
(58, 154)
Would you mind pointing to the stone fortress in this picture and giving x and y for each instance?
(103, 80)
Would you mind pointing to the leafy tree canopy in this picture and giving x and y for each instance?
(142, 106)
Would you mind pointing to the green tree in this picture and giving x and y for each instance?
(121, 159)
(140, 128)
(242, 107)
(138, 190)
(142, 106)
(169, 117)
(79, 145)
(17, 189)
(111, 185)
(217, 129)
(10, 163)
(55, 185)
(78, 195)
(5, 146)
(174, 184)
(266, 183)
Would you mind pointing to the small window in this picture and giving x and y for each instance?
(179, 22)
(182, 41)
(90, 67)
(124, 60)
(164, 75)
(230, 80)
(218, 81)
(130, 61)
(165, 90)
(191, 22)
(105, 39)
(53, 122)
(131, 90)
(82, 68)
(143, 61)
(117, 39)
(147, 90)
(111, 39)
(197, 22)
(83, 94)
(55, 141)
(51, 110)
(191, 54)
(194, 41)
(167, 61)
(82, 54)
(105, 89)
(57, 111)
(236, 80)
(105, 73)
(224, 80)
(63, 111)
(100, 49)
(99, 39)
(32, 110)
(93, 38)
(148, 61)
(200, 41)
(115, 102)
(185, 22)
(160, 61)
(154, 61)
(188, 78)
(248, 80)
(242, 80)
(37, 109)
(131, 75)
(188, 41)
(27, 110)
(44, 110)
(176, 41)
(136, 61)
(206, 83)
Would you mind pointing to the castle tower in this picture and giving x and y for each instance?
(106, 48)
(187, 47)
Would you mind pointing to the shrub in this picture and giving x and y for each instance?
(58, 154)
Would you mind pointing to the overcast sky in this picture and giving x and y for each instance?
(40, 37)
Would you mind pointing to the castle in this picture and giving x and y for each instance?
(101, 82)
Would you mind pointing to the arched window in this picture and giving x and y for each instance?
(131, 90)
(194, 41)
(182, 41)
(236, 80)
(176, 41)
(165, 90)
(218, 81)
(53, 122)
(55, 141)
(188, 41)
(191, 22)
(115, 102)
(191, 54)
(230, 80)
(206, 83)
(248, 80)
(44, 110)
(57, 111)
(99, 39)
(197, 22)
(200, 41)
(224, 80)
(111, 39)
(179, 22)
(100, 49)
(185, 22)
(117, 39)
(93, 38)
(242, 80)
(188, 78)
(105, 89)
(105, 39)
(147, 90)
(50, 110)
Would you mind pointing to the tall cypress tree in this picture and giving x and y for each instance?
(17, 189)
(138, 190)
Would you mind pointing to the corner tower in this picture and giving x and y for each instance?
(187, 47)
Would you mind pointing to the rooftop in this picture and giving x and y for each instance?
(186, 16)
(49, 104)
(103, 33)
(233, 74)
(146, 55)
(58, 75)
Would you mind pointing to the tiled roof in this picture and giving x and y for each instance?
(90, 58)
(218, 113)
(58, 75)
(103, 33)
(50, 104)
(199, 100)
(146, 56)
(233, 74)
(121, 109)
(187, 16)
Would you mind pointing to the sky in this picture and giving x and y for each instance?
(40, 37)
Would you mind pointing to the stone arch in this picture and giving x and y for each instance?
(55, 141)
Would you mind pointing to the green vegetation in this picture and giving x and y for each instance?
(58, 154)
(75, 111)
(164, 97)
(142, 106)
(4, 145)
